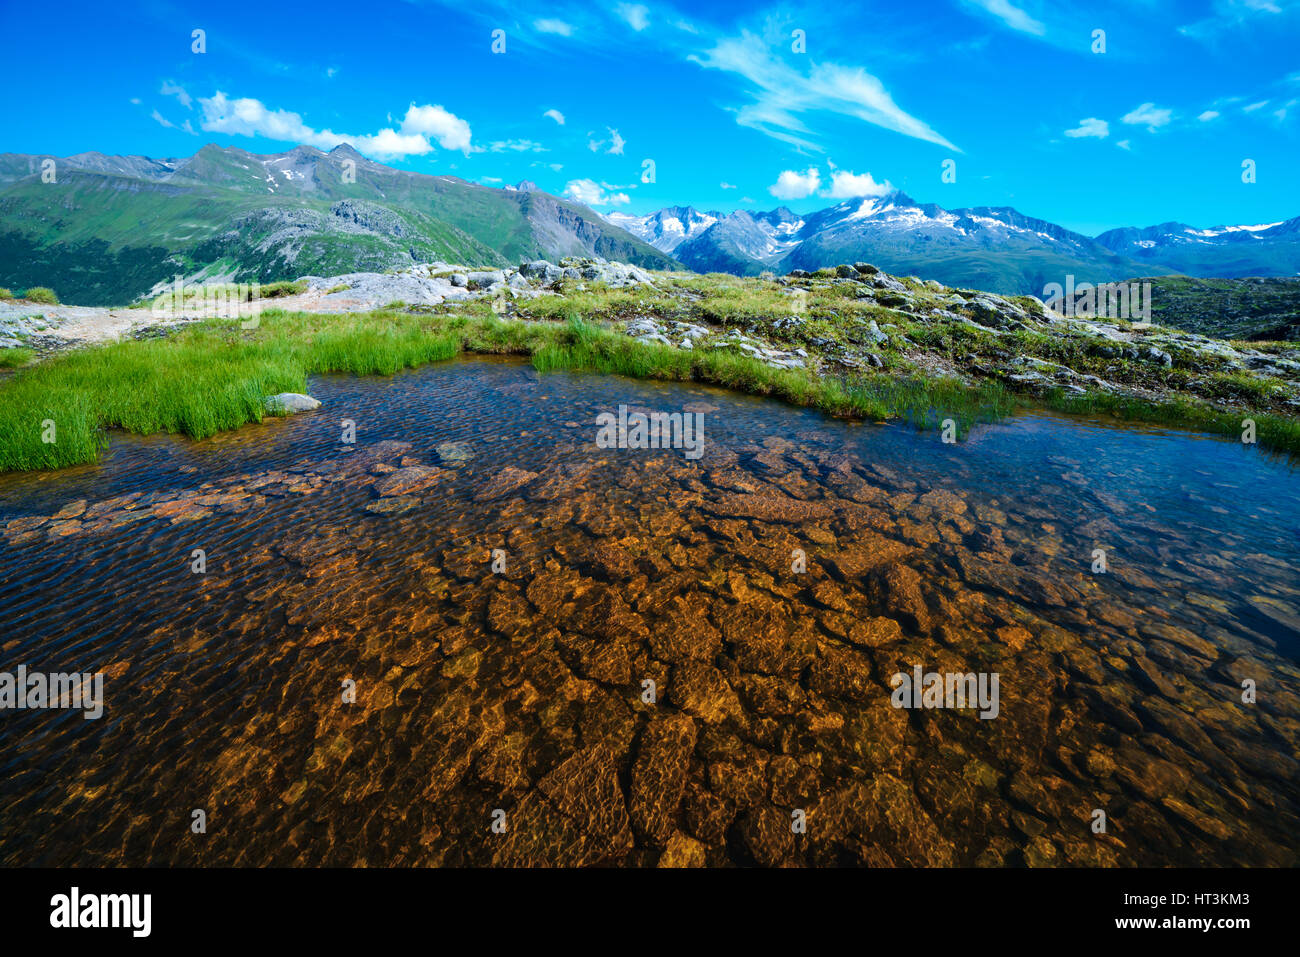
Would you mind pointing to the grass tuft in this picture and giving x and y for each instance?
(41, 294)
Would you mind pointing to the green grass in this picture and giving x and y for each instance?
(1271, 431)
(42, 294)
(6, 293)
(13, 358)
(212, 376)
(283, 287)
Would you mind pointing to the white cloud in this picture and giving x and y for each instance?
(551, 25)
(250, 117)
(781, 93)
(388, 142)
(725, 185)
(1091, 127)
(1208, 115)
(1148, 115)
(451, 132)
(175, 89)
(637, 15)
(135, 100)
(1254, 106)
(1011, 15)
(555, 115)
(590, 193)
(615, 143)
(1125, 144)
(330, 72)
(845, 185)
(793, 185)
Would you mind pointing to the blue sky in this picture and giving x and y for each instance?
(732, 112)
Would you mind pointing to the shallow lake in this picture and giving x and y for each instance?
(561, 653)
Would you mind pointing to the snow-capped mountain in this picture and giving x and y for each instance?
(995, 248)
(1265, 249)
(743, 243)
(666, 229)
(987, 247)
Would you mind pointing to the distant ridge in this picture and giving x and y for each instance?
(997, 248)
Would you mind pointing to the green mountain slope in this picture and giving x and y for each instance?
(110, 228)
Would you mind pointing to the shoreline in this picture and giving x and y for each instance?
(864, 346)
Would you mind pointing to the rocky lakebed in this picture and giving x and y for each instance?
(563, 654)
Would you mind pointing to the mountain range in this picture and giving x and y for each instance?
(110, 229)
(995, 248)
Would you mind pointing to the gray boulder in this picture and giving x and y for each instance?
(872, 333)
(485, 279)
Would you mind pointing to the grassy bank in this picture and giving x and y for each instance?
(1271, 431)
(213, 376)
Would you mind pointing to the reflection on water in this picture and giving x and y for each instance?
(526, 690)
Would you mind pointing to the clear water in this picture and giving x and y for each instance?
(517, 696)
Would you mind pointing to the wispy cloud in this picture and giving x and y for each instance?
(1011, 15)
(175, 89)
(552, 25)
(163, 121)
(516, 146)
(1148, 115)
(614, 144)
(555, 115)
(1228, 15)
(782, 95)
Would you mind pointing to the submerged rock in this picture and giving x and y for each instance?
(504, 482)
(289, 403)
